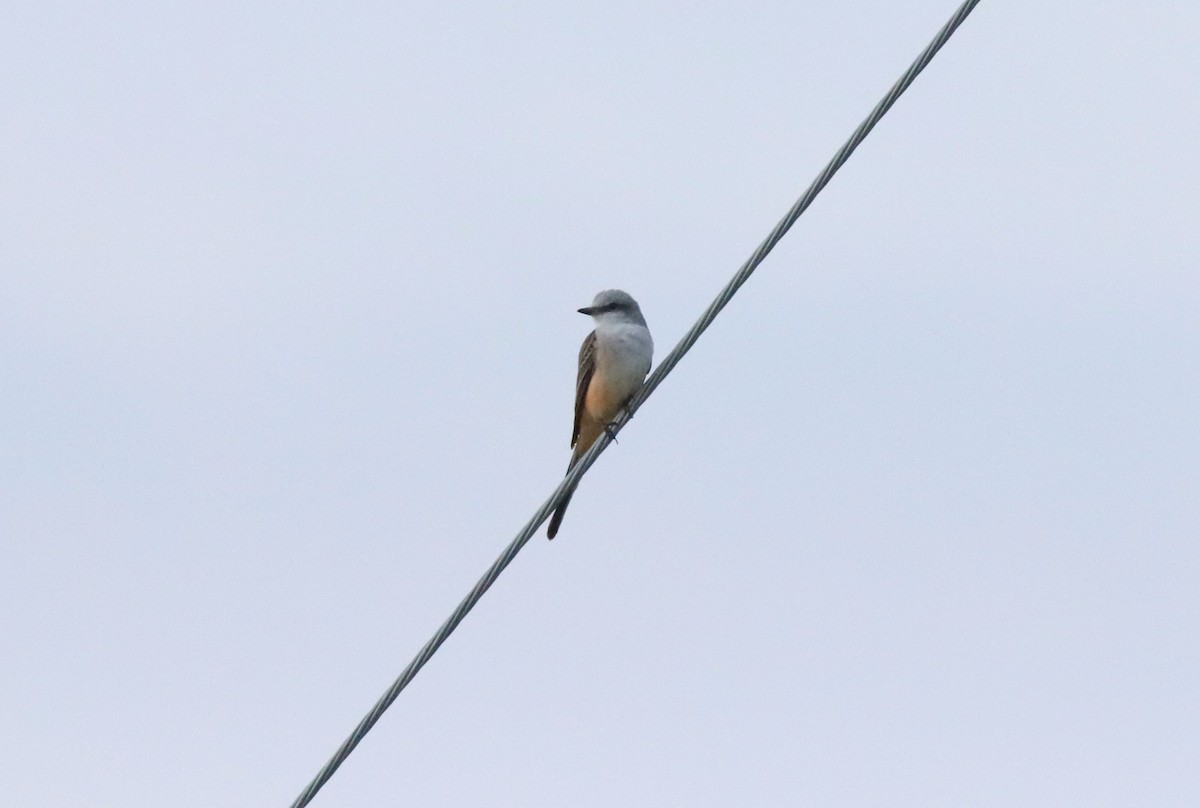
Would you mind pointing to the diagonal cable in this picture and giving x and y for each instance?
(652, 382)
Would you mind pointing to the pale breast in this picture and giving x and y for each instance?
(623, 355)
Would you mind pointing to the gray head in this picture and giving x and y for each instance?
(613, 305)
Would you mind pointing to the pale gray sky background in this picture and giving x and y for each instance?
(287, 342)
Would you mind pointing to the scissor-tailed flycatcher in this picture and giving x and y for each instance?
(613, 363)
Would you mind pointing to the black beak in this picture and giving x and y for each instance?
(587, 310)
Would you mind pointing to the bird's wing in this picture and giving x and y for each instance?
(587, 366)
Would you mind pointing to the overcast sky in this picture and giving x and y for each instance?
(287, 356)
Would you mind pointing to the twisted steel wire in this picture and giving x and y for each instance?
(653, 381)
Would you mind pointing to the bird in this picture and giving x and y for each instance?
(613, 362)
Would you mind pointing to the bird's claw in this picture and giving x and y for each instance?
(608, 430)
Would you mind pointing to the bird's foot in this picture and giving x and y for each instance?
(608, 430)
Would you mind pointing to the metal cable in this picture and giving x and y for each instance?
(652, 382)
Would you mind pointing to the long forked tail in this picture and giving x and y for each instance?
(557, 517)
(584, 438)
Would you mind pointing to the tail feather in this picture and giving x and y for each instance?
(557, 517)
(589, 429)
